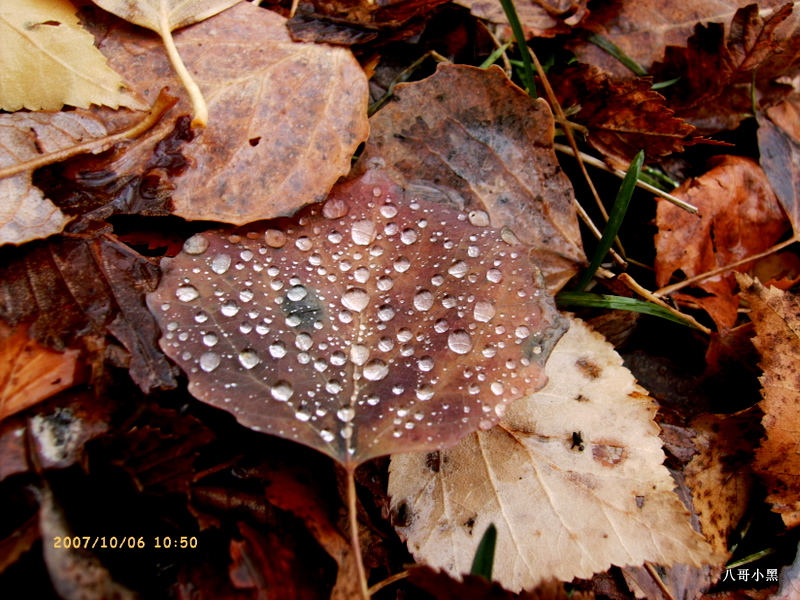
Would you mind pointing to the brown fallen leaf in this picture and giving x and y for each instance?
(30, 372)
(572, 478)
(539, 18)
(775, 315)
(471, 138)
(74, 291)
(377, 322)
(49, 60)
(252, 161)
(779, 154)
(18, 542)
(622, 116)
(739, 215)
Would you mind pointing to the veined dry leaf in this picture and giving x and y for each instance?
(739, 215)
(30, 372)
(775, 316)
(374, 323)
(779, 154)
(471, 138)
(539, 18)
(572, 478)
(48, 60)
(252, 161)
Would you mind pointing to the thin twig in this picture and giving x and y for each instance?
(633, 285)
(658, 581)
(388, 581)
(162, 104)
(644, 185)
(665, 291)
(352, 513)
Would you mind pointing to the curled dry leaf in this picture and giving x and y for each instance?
(539, 18)
(779, 154)
(49, 60)
(739, 215)
(572, 478)
(775, 315)
(471, 138)
(375, 323)
(252, 161)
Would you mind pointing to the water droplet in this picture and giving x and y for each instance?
(449, 301)
(425, 363)
(229, 308)
(335, 208)
(355, 299)
(437, 280)
(508, 237)
(522, 332)
(497, 388)
(196, 244)
(361, 274)
(391, 229)
(281, 391)
(303, 243)
(385, 283)
(210, 340)
(404, 335)
(441, 326)
(333, 386)
(248, 359)
(489, 351)
(375, 370)
(303, 341)
(220, 263)
(262, 329)
(275, 238)
(345, 265)
(246, 255)
(345, 414)
(494, 275)
(385, 313)
(246, 295)
(326, 436)
(388, 211)
(458, 269)
(302, 416)
(385, 344)
(334, 237)
(346, 316)
(363, 232)
(277, 350)
(423, 300)
(338, 358)
(296, 293)
(187, 293)
(320, 365)
(483, 311)
(424, 392)
(359, 354)
(479, 218)
(373, 400)
(209, 361)
(408, 237)
(200, 317)
(402, 264)
(459, 341)
(473, 252)
(293, 320)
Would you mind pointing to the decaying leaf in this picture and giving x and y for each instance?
(571, 477)
(48, 60)
(779, 154)
(30, 372)
(739, 216)
(252, 160)
(539, 18)
(775, 315)
(377, 322)
(622, 116)
(74, 291)
(471, 138)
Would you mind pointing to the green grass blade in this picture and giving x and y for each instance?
(494, 56)
(527, 64)
(615, 218)
(590, 300)
(484, 556)
(617, 52)
(664, 84)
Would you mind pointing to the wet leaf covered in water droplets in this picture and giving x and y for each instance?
(391, 325)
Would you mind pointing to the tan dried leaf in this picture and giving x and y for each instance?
(47, 60)
(164, 15)
(776, 316)
(572, 478)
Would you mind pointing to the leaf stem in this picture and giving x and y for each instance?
(199, 107)
(352, 514)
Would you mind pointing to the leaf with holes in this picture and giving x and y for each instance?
(572, 478)
(375, 323)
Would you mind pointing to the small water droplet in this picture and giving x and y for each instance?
(338, 358)
(522, 332)
(262, 329)
(355, 299)
(246, 255)
(334, 237)
(229, 308)
(459, 341)
(458, 269)
(296, 293)
(375, 370)
(209, 361)
(479, 218)
(335, 208)
(346, 414)
(200, 317)
(220, 263)
(388, 211)
(494, 275)
(385, 313)
(425, 364)
(424, 392)
(187, 293)
(277, 350)
(303, 341)
(497, 388)
(385, 283)
(473, 252)
(345, 316)
(437, 280)
(320, 365)
(373, 400)
(196, 244)
(333, 386)
(508, 237)
(303, 243)
(302, 416)
(281, 391)
(489, 351)
(246, 295)
(361, 274)
(210, 340)
(248, 359)
(359, 354)
(404, 335)
(275, 238)
(402, 264)
(363, 232)
(441, 326)
(423, 300)
(385, 344)
(449, 301)
(409, 236)
(483, 311)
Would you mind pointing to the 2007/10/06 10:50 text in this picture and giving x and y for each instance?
(87, 542)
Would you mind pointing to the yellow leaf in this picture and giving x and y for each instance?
(47, 60)
(572, 478)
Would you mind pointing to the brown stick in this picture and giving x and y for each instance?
(352, 513)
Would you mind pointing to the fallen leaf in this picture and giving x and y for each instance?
(779, 150)
(539, 18)
(252, 160)
(74, 291)
(18, 543)
(376, 322)
(49, 60)
(30, 372)
(775, 316)
(642, 29)
(790, 581)
(571, 477)
(739, 216)
(622, 116)
(13, 456)
(471, 138)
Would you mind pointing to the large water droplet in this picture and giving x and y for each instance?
(423, 300)
(200, 317)
(458, 269)
(277, 350)
(209, 361)
(424, 392)
(281, 391)
(220, 263)
(326, 436)
(229, 308)
(402, 264)
(210, 340)
(361, 274)
(303, 243)
(248, 359)
(425, 363)
(375, 370)
(345, 414)
(408, 237)
(187, 293)
(483, 311)
(355, 299)
(404, 335)
(359, 354)
(385, 344)
(363, 232)
(497, 388)
(385, 313)
(296, 293)
(459, 341)
(479, 218)
(335, 208)
(388, 211)
(196, 244)
(385, 283)
(522, 332)
(303, 341)
(494, 275)
(246, 295)
(338, 358)
(275, 238)
(441, 326)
